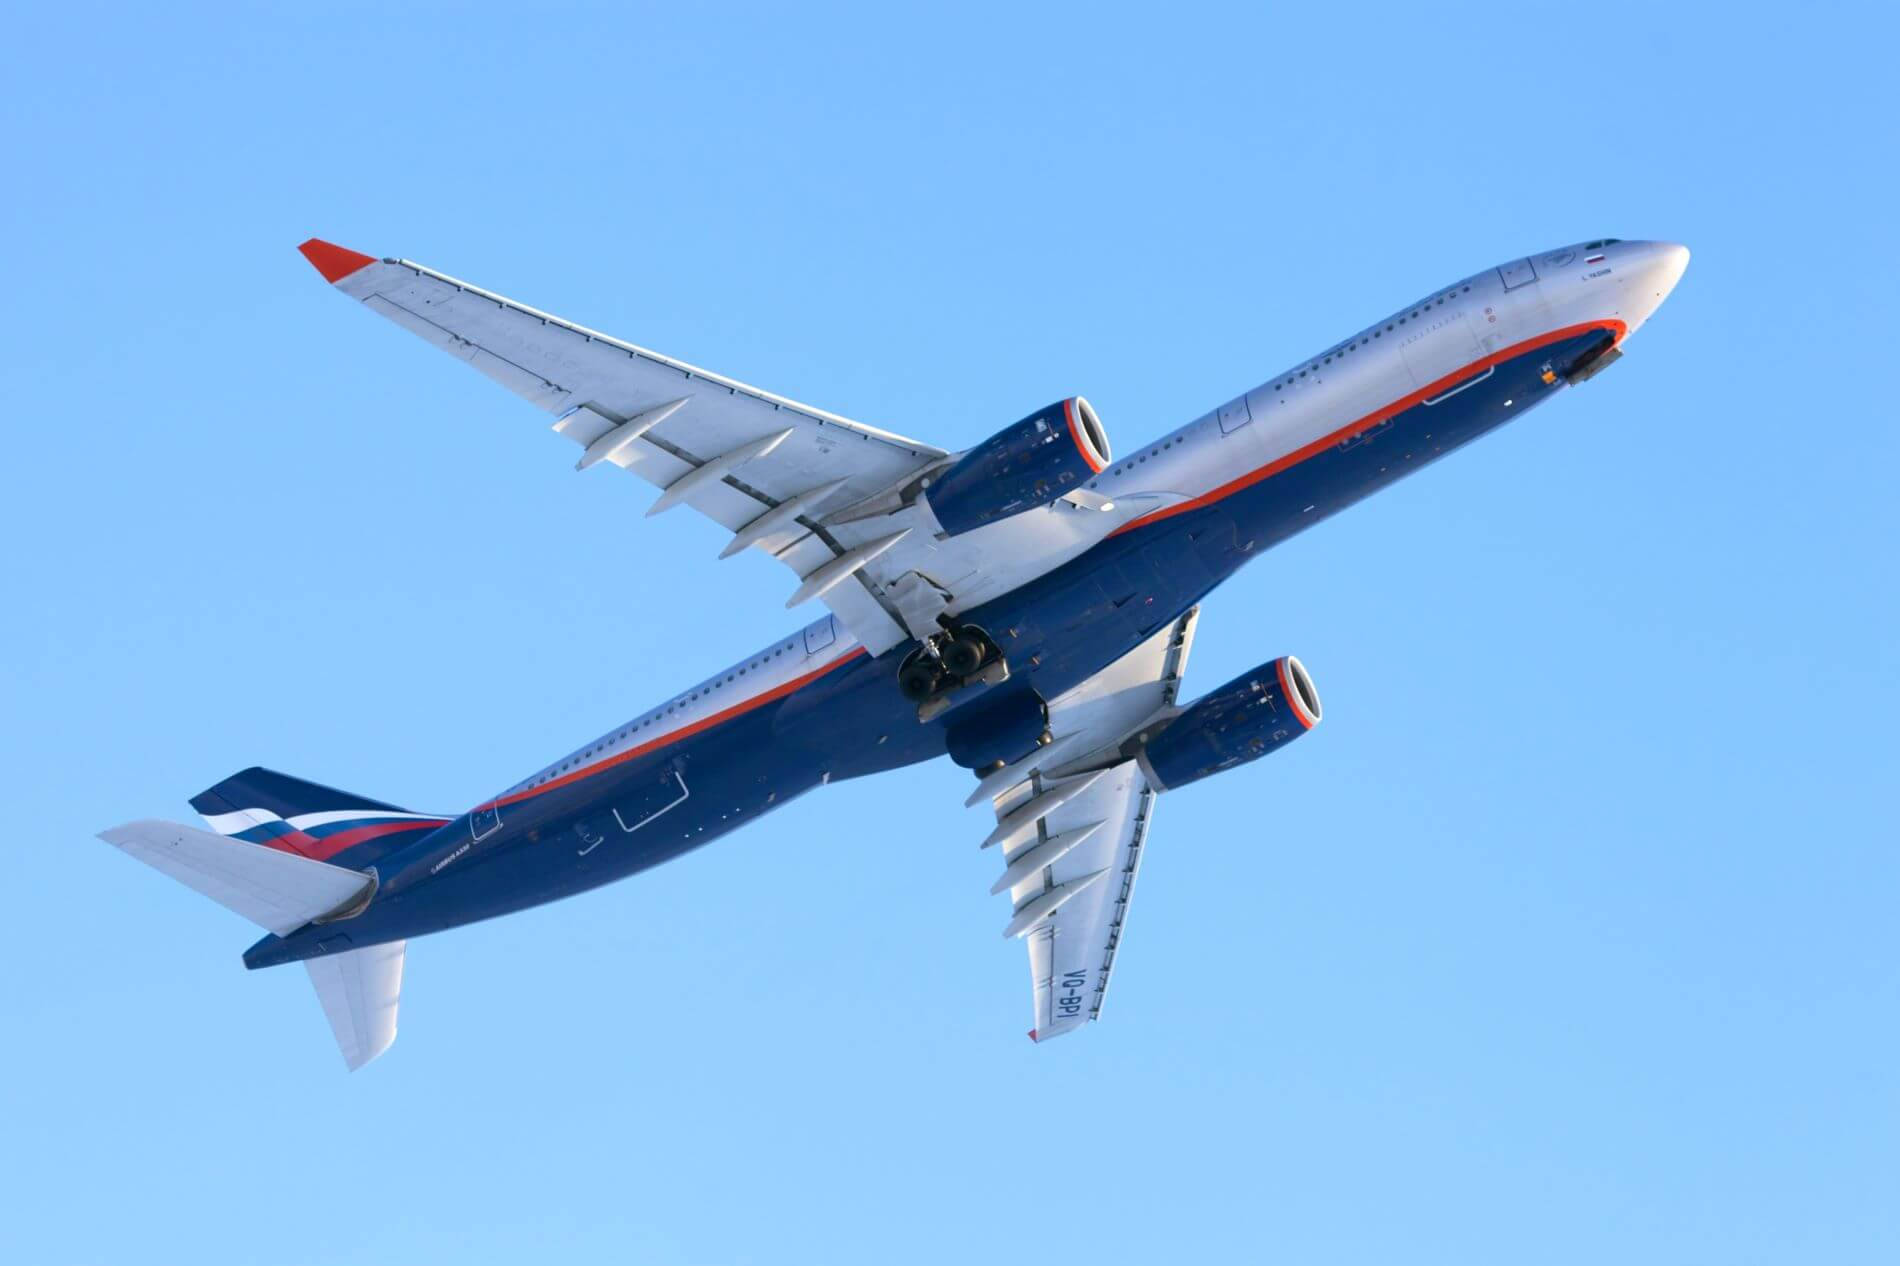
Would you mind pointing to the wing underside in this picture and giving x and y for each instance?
(768, 469)
(1072, 823)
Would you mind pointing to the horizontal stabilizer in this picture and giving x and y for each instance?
(276, 890)
(359, 992)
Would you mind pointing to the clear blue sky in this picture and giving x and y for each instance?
(1569, 938)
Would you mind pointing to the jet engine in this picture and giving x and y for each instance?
(1255, 713)
(1021, 467)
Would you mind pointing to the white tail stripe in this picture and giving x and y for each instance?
(303, 821)
(244, 819)
(239, 822)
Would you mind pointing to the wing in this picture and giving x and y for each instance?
(774, 472)
(1072, 823)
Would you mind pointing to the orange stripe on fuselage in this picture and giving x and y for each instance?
(685, 732)
(1372, 419)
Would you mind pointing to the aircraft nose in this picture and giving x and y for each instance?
(1649, 270)
(1664, 268)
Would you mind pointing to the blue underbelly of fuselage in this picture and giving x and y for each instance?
(1056, 632)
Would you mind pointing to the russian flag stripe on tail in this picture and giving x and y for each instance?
(262, 806)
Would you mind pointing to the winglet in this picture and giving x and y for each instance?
(333, 261)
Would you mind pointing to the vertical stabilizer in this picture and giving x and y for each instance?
(359, 992)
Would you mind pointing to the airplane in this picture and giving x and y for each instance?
(1025, 606)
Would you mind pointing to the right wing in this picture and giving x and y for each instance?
(1072, 820)
(767, 468)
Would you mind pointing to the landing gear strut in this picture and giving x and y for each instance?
(945, 663)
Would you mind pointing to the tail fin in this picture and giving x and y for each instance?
(308, 819)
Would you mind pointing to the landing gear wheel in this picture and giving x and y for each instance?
(919, 680)
(963, 656)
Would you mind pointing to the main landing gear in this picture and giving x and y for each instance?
(948, 661)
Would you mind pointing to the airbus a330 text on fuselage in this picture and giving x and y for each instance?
(1025, 606)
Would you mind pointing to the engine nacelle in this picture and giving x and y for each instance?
(1255, 713)
(1021, 467)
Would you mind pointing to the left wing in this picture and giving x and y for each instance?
(1072, 824)
(772, 471)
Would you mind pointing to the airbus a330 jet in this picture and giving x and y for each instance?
(1025, 607)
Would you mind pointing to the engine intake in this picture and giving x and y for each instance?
(1255, 713)
(1022, 467)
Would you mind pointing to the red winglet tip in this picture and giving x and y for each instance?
(1033, 1037)
(333, 261)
